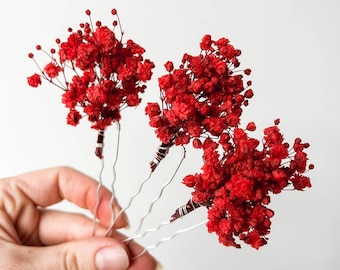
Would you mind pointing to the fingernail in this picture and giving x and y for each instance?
(112, 258)
(159, 266)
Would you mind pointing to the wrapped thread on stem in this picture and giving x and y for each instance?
(161, 153)
(100, 144)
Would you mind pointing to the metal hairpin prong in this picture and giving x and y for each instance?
(169, 238)
(129, 203)
(160, 193)
(100, 184)
(113, 196)
(137, 236)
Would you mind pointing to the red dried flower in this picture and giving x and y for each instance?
(247, 71)
(206, 42)
(34, 80)
(169, 66)
(251, 126)
(73, 117)
(52, 70)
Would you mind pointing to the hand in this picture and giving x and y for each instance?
(34, 237)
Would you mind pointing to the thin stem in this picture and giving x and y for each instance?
(100, 184)
(137, 236)
(120, 27)
(114, 176)
(130, 203)
(160, 194)
(165, 239)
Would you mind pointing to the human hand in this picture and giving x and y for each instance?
(35, 237)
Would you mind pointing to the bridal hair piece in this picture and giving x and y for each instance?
(201, 103)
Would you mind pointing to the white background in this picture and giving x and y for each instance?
(292, 48)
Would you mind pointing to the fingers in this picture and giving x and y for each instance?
(92, 253)
(65, 235)
(49, 186)
(57, 227)
(141, 260)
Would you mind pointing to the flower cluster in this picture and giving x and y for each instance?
(97, 71)
(204, 95)
(202, 100)
(236, 183)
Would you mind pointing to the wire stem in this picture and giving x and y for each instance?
(160, 194)
(165, 239)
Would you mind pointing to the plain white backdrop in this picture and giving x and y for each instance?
(292, 48)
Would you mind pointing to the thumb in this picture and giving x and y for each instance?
(98, 253)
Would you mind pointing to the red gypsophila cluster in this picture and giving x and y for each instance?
(202, 101)
(204, 95)
(97, 71)
(236, 184)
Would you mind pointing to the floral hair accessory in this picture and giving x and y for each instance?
(202, 101)
(201, 104)
(204, 95)
(98, 73)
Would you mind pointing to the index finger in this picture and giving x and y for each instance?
(50, 186)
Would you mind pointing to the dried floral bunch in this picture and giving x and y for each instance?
(98, 73)
(201, 102)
